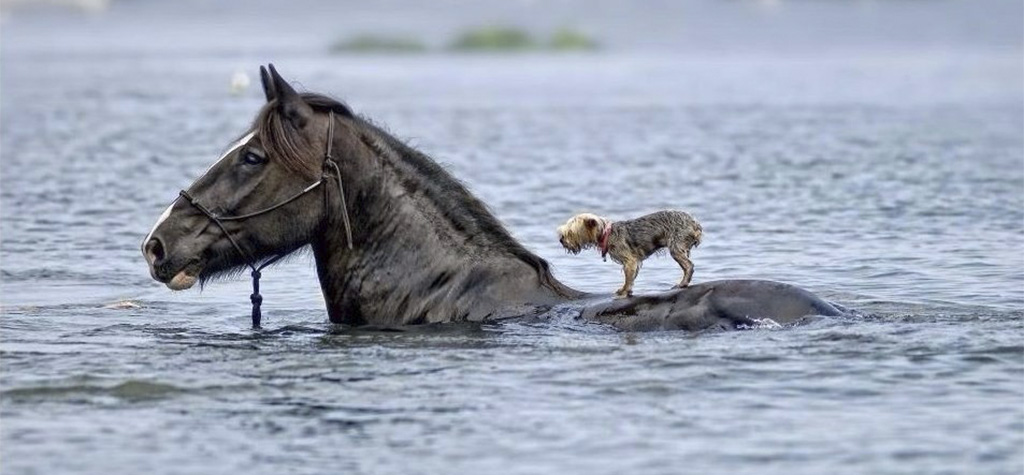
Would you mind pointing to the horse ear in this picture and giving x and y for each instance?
(268, 84)
(290, 103)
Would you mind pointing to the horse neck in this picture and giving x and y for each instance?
(424, 248)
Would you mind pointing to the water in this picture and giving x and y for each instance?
(888, 178)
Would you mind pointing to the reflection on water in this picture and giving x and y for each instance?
(887, 178)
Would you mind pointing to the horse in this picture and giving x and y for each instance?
(397, 240)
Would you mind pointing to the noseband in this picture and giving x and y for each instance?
(329, 163)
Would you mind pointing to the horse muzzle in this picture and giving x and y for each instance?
(163, 269)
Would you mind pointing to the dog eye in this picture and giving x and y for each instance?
(253, 159)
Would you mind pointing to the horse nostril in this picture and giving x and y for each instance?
(155, 251)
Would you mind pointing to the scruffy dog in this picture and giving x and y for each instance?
(630, 242)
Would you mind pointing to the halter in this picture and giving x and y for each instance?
(256, 298)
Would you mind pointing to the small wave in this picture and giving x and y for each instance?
(45, 273)
(130, 390)
(1016, 350)
(125, 304)
(845, 336)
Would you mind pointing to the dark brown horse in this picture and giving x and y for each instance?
(397, 240)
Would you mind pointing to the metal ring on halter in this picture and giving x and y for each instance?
(256, 298)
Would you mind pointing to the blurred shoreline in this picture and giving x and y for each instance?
(715, 27)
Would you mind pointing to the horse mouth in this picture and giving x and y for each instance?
(183, 280)
(186, 277)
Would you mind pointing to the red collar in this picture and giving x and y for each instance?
(603, 242)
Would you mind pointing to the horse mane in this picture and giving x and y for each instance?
(466, 213)
(278, 137)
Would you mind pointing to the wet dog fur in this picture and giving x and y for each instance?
(632, 241)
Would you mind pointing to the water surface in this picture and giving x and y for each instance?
(887, 178)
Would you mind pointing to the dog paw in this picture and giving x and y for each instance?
(623, 295)
(681, 286)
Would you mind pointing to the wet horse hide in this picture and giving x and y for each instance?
(396, 239)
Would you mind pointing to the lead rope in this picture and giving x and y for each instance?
(255, 297)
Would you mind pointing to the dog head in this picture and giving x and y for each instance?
(581, 232)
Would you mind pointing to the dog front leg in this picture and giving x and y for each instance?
(682, 257)
(630, 269)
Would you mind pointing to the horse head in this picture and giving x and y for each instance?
(265, 197)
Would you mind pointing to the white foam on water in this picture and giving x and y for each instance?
(761, 324)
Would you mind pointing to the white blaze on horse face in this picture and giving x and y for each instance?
(235, 146)
(167, 212)
(163, 216)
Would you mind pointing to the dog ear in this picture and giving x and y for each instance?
(590, 223)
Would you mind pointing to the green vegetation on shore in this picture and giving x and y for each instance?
(494, 39)
(377, 44)
(567, 39)
(507, 39)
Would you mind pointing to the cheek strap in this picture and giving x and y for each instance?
(329, 162)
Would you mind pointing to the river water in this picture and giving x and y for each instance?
(883, 170)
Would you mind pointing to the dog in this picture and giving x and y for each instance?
(630, 242)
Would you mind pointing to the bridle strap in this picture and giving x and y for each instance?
(218, 220)
(329, 161)
(256, 298)
(272, 208)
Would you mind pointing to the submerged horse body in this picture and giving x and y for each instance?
(396, 239)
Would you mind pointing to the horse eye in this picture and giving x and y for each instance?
(253, 159)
